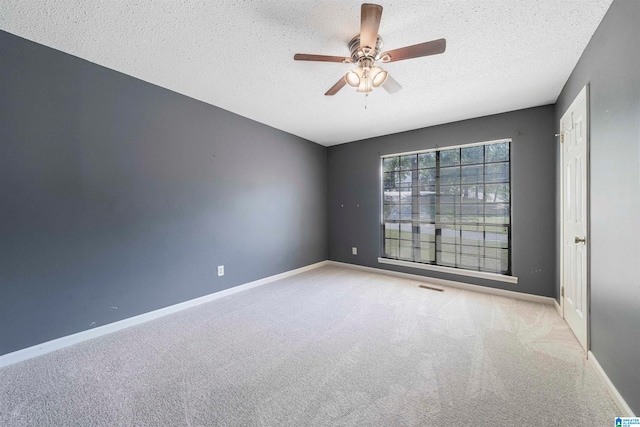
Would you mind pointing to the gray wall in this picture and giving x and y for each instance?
(611, 66)
(354, 193)
(118, 193)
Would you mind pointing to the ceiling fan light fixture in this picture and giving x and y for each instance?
(352, 78)
(365, 85)
(378, 76)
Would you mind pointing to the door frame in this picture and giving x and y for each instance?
(584, 93)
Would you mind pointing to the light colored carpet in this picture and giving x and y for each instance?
(330, 347)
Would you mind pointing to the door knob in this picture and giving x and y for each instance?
(579, 240)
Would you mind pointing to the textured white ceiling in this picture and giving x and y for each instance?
(502, 55)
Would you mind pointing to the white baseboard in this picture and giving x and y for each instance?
(613, 391)
(450, 283)
(558, 308)
(66, 341)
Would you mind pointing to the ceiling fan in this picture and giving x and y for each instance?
(365, 51)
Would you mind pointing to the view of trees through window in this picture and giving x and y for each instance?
(449, 207)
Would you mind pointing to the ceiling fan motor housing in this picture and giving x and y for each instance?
(361, 52)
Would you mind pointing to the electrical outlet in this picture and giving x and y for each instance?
(354, 251)
(220, 270)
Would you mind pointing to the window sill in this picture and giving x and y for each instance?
(449, 270)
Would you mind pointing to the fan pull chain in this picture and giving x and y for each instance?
(366, 95)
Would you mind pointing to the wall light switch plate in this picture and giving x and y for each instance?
(354, 251)
(220, 270)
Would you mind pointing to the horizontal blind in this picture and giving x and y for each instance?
(449, 207)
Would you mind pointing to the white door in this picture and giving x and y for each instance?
(574, 129)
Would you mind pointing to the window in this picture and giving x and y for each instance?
(449, 207)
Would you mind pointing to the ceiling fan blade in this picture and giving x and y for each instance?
(370, 15)
(336, 87)
(433, 47)
(391, 86)
(321, 58)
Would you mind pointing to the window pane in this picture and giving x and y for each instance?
(391, 181)
(427, 177)
(391, 197)
(451, 190)
(406, 162)
(472, 193)
(391, 212)
(471, 250)
(497, 192)
(406, 250)
(448, 213)
(450, 157)
(447, 259)
(405, 212)
(448, 248)
(449, 235)
(427, 212)
(427, 160)
(497, 213)
(471, 262)
(491, 265)
(391, 230)
(404, 179)
(406, 231)
(497, 152)
(427, 197)
(472, 174)
(448, 199)
(391, 248)
(390, 164)
(427, 252)
(496, 237)
(497, 172)
(449, 176)
(472, 213)
(472, 155)
(405, 196)
(504, 261)
(472, 236)
(427, 232)
(491, 253)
